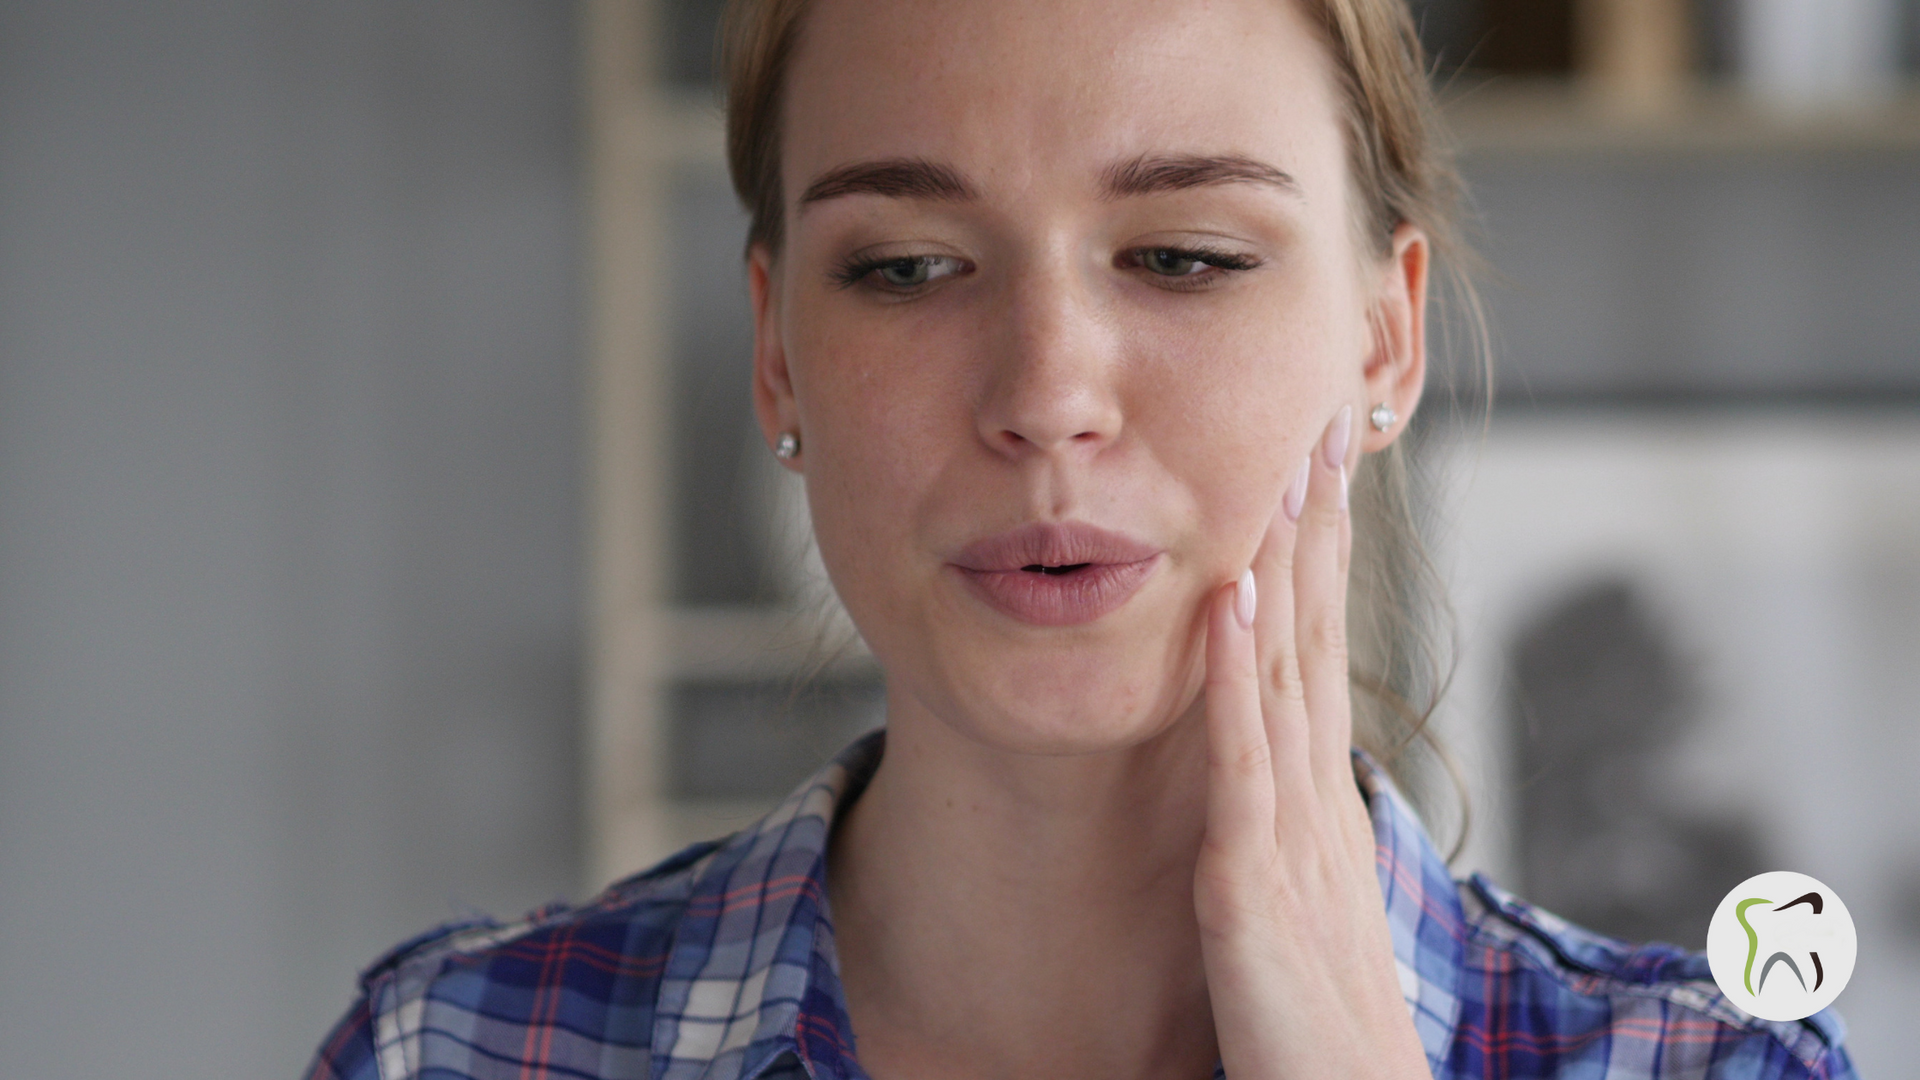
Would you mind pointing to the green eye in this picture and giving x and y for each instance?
(1170, 262)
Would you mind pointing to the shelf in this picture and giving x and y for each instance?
(1515, 117)
(682, 128)
(1560, 117)
(689, 821)
(744, 643)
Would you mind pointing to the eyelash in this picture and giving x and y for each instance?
(1226, 262)
(855, 271)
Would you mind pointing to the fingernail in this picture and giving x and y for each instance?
(1243, 600)
(1336, 445)
(1296, 496)
(1343, 486)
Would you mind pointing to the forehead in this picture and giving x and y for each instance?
(1026, 94)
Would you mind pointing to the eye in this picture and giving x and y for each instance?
(898, 275)
(1172, 263)
(906, 273)
(1191, 265)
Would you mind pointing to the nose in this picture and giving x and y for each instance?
(1053, 373)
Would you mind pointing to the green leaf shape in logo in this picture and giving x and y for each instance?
(1753, 939)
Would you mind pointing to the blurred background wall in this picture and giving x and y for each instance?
(1685, 555)
(290, 475)
(292, 457)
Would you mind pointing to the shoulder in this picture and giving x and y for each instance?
(1541, 996)
(465, 996)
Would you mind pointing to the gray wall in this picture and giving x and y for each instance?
(290, 458)
(1705, 276)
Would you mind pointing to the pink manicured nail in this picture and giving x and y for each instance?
(1296, 496)
(1337, 436)
(1243, 600)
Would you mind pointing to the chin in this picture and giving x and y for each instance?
(1058, 728)
(1082, 699)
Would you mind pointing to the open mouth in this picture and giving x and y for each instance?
(1060, 594)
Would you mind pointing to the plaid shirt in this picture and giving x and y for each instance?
(718, 964)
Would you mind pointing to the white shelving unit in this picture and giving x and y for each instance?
(627, 492)
(642, 136)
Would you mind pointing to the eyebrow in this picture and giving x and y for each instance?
(917, 178)
(1145, 175)
(899, 178)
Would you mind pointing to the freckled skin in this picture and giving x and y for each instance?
(1049, 384)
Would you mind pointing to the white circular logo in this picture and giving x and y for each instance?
(1781, 945)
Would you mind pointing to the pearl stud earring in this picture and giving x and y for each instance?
(786, 446)
(1383, 416)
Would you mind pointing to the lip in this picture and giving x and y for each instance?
(1111, 568)
(1044, 543)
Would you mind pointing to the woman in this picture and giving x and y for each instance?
(1077, 316)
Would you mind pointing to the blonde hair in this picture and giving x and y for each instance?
(1401, 164)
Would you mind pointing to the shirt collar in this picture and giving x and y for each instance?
(751, 986)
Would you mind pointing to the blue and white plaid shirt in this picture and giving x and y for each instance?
(718, 964)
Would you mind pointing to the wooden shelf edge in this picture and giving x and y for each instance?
(754, 643)
(671, 129)
(688, 128)
(1560, 116)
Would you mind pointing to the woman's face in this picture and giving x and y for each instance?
(1082, 261)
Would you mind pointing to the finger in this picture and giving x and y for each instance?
(1320, 598)
(1283, 699)
(1239, 767)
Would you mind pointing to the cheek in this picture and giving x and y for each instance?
(1234, 397)
(862, 375)
(872, 394)
(874, 426)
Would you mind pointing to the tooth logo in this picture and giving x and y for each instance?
(1781, 945)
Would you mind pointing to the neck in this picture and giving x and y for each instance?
(1046, 899)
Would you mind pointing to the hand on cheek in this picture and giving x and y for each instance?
(1299, 958)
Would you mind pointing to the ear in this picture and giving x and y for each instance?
(773, 400)
(1396, 370)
